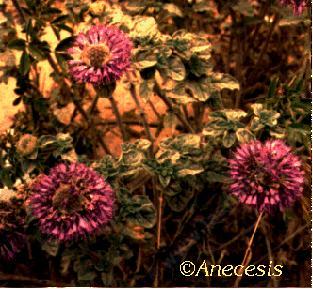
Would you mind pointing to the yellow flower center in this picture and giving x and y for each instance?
(65, 201)
(96, 55)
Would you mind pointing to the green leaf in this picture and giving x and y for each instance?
(173, 10)
(52, 10)
(84, 268)
(36, 52)
(272, 88)
(66, 260)
(146, 90)
(223, 125)
(145, 59)
(202, 6)
(55, 145)
(170, 120)
(299, 134)
(17, 101)
(24, 64)
(51, 247)
(225, 81)
(31, 4)
(188, 91)
(65, 27)
(29, 27)
(257, 108)
(214, 177)
(198, 67)
(244, 7)
(263, 117)
(190, 44)
(65, 43)
(132, 156)
(234, 114)
(86, 276)
(164, 180)
(182, 142)
(244, 135)
(143, 144)
(202, 89)
(201, 48)
(177, 70)
(106, 166)
(144, 27)
(18, 44)
(192, 169)
(56, 31)
(62, 60)
(179, 201)
(59, 19)
(139, 211)
(229, 139)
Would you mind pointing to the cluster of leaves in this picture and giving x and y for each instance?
(177, 66)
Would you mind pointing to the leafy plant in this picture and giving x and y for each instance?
(205, 77)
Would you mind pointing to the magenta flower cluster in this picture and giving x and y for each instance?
(12, 237)
(297, 5)
(100, 56)
(266, 175)
(72, 201)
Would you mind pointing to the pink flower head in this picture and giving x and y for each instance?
(100, 56)
(297, 5)
(12, 237)
(266, 175)
(72, 201)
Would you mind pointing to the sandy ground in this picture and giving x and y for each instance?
(7, 110)
(122, 96)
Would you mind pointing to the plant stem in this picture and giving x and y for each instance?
(177, 112)
(198, 114)
(81, 110)
(133, 122)
(53, 64)
(106, 91)
(142, 114)
(156, 277)
(19, 9)
(252, 41)
(93, 104)
(77, 103)
(160, 124)
(158, 238)
(23, 279)
(290, 237)
(90, 123)
(264, 49)
(155, 110)
(118, 117)
(248, 253)
(159, 222)
(270, 255)
(238, 43)
(229, 54)
(56, 69)
(128, 122)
